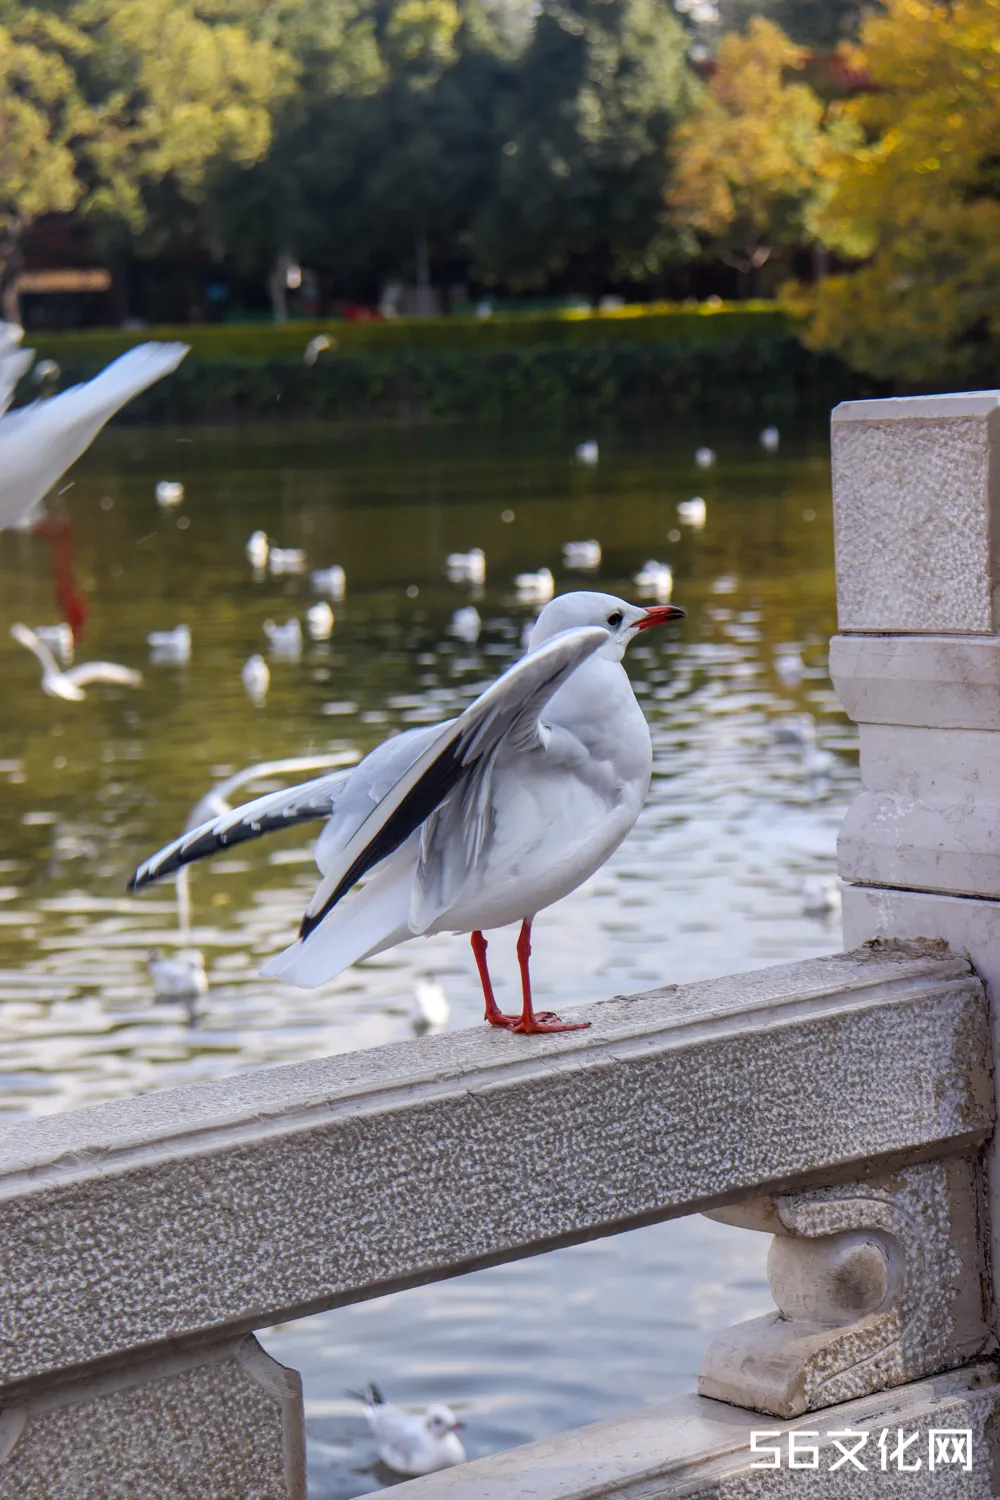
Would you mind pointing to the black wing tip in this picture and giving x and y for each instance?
(377, 1397)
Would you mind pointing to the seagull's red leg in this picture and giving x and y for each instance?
(494, 1014)
(58, 532)
(529, 1023)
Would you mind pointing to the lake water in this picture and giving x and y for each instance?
(742, 813)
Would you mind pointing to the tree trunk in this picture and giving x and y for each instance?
(422, 258)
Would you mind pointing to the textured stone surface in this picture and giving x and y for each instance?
(221, 1424)
(971, 927)
(229, 1205)
(693, 1446)
(929, 816)
(915, 492)
(936, 682)
(876, 1283)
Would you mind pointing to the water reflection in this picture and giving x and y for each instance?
(753, 765)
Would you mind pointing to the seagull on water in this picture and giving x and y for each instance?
(417, 1444)
(693, 512)
(430, 1006)
(257, 549)
(330, 581)
(466, 567)
(256, 675)
(535, 588)
(39, 442)
(584, 556)
(70, 684)
(476, 823)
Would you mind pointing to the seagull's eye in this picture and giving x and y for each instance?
(615, 619)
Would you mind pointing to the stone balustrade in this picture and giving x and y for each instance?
(844, 1106)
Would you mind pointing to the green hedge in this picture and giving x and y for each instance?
(767, 375)
(261, 342)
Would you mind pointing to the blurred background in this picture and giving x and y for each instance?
(484, 301)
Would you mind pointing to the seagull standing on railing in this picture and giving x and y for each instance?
(476, 823)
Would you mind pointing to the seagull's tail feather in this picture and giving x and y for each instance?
(374, 918)
(298, 804)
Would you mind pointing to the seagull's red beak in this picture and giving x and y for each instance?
(659, 614)
(456, 1425)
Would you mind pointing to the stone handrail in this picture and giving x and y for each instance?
(141, 1240)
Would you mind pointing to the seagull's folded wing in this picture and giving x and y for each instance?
(296, 804)
(506, 713)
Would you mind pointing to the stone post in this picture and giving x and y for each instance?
(916, 488)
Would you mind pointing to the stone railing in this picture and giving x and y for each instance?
(844, 1106)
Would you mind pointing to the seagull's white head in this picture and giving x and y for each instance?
(440, 1420)
(622, 621)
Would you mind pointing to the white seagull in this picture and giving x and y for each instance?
(466, 624)
(770, 439)
(283, 560)
(256, 675)
(181, 977)
(169, 492)
(535, 588)
(693, 512)
(170, 647)
(70, 684)
(476, 823)
(466, 567)
(257, 549)
(59, 639)
(584, 556)
(285, 641)
(319, 621)
(330, 581)
(431, 1010)
(588, 453)
(38, 443)
(656, 580)
(413, 1444)
(704, 457)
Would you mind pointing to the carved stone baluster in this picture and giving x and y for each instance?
(876, 1283)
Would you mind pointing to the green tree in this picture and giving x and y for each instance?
(747, 160)
(581, 144)
(43, 118)
(915, 198)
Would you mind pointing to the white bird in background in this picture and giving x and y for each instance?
(693, 512)
(476, 823)
(413, 1445)
(319, 621)
(38, 443)
(46, 369)
(170, 647)
(655, 580)
(315, 348)
(582, 556)
(587, 453)
(789, 666)
(256, 675)
(70, 684)
(286, 560)
(704, 458)
(821, 897)
(466, 624)
(431, 1010)
(535, 588)
(169, 492)
(180, 977)
(330, 581)
(285, 641)
(770, 439)
(466, 567)
(59, 639)
(257, 549)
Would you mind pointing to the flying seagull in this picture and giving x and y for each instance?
(475, 823)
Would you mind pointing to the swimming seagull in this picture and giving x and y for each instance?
(170, 647)
(330, 581)
(285, 641)
(704, 457)
(466, 624)
(413, 1444)
(588, 453)
(584, 556)
(181, 977)
(256, 675)
(770, 439)
(476, 823)
(257, 549)
(315, 348)
(535, 588)
(169, 492)
(466, 567)
(655, 580)
(70, 684)
(430, 1006)
(319, 621)
(693, 512)
(282, 560)
(39, 442)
